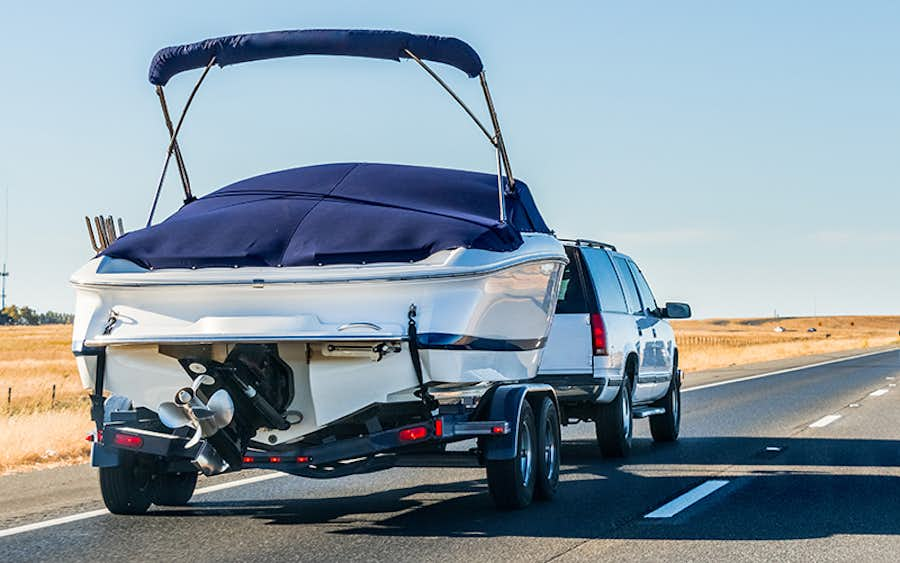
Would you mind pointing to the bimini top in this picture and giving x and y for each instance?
(335, 214)
(275, 44)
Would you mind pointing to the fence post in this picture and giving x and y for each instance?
(53, 397)
(9, 400)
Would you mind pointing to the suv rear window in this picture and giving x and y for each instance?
(571, 290)
(606, 282)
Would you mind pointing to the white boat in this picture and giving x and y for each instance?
(320, 302)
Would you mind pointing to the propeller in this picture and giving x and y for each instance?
(188, 410)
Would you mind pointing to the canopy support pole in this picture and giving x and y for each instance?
(501, 147)
(501, 193)
(462, 104)
(179, 160)
(496, 139)
(189, 197)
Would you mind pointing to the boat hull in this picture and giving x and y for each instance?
(476, 323)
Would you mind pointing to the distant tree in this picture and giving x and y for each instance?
(54, 318)
(15, 315)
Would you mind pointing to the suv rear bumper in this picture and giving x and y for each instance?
(580, 388)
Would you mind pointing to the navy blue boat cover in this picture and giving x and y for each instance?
(349, 42)
(335, 214)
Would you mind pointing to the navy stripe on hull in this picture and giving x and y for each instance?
(443, 341)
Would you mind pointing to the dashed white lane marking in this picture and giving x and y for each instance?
(825, 421)
(94, 513)
(879, 392)
(779, 372)
(687, 499)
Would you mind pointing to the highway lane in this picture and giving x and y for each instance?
(792, 492)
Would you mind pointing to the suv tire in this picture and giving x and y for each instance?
(665, 427)
(614, 424)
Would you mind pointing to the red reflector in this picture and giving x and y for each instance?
(413, 434)
(303, 459)
(598, 334)
(247, 459)
(89, 437)
(439, 427)
(129, 441)
(274, 459)
(498, 430)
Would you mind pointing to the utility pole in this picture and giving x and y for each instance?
(5, 273)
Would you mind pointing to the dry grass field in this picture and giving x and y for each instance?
(716, 343)
(34, 359)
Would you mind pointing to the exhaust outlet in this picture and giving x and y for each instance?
(209, 462)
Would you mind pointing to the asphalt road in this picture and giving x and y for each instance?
(803, 464)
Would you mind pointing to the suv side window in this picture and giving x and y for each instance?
(609, 290)
(571, 290)
(631, 294)
(644, 289)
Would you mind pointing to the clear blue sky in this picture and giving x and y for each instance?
(747, 154)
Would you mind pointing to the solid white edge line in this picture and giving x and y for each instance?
(693, 496)
(94, 513)
(781, 371)
(879, 392)
(825, 421)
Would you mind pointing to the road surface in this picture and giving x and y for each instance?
(803, 464)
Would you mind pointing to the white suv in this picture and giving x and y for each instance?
(611, 354)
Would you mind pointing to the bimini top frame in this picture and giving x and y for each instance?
(392, 45)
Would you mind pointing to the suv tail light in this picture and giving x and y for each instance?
(598, 334)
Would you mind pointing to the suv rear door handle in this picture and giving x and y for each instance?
(654, 333)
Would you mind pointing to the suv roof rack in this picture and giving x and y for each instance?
(591, 243)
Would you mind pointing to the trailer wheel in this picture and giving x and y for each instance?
(614, 425)
(511, 481)
(126, 488)
(548, 440)
(173, 489)
(665, 427)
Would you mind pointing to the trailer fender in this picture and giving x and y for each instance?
(506, 404)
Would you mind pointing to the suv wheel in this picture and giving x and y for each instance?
(614, 424)
(664, 427)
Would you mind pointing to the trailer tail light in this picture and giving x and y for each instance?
(275, 459)
(303, 459)
(498, 429)
(598, 334)
(439, 427)
(412, 434)
(128, 441)
(247, 459)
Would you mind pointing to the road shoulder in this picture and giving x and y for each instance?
(706, 377)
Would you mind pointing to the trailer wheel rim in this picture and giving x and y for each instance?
(526, 455)
(550, 453)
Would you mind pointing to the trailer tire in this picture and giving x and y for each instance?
(665, 427)
(548, 448)
(511, 481)
(614, 425)
(126, 488)
(173, 489)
